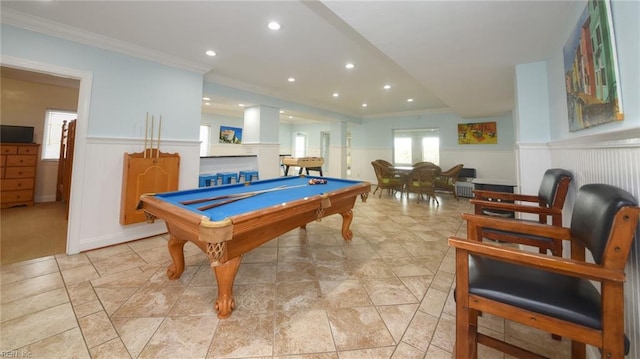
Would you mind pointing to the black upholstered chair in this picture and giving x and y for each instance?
(553, 294)
(546, 205)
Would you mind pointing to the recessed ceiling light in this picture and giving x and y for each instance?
(364, 105)
(241, 104)
(290, 116)
(349, 65)
(409, 100)
(207, 104)
(211, 53)
(281, 111)
(335, 94)
(273, 25)
(205, 99)
(386, 87)
(291, 79)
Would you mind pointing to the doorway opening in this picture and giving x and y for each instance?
(83, 82)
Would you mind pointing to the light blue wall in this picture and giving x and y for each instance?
(532, 100)
(284, 135)
(627, 32)
(124, 88)
(378, 132)
(313, 132)
(215, 121)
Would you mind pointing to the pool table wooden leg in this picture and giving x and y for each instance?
(176, 251)
(347, 218)
(225, 275)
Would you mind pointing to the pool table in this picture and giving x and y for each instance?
(227, 221)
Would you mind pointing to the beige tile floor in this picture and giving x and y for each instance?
(307, 294)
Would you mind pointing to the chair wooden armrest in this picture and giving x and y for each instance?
(477, 222)
(554, 264)
(551, 293)
(515, 207)
(505, 196)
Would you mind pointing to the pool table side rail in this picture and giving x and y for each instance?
(253, 229)
(180, 222)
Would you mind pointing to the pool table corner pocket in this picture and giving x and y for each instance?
(215, 234)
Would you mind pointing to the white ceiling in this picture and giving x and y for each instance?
(457, 55)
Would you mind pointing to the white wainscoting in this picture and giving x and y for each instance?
(612, 158)
(97, 205)
(488, 163)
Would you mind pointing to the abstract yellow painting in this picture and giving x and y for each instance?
(477, 133)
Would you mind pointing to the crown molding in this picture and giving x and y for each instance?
(56, 29)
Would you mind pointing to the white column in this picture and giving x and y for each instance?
(338, 150)
(260, 136)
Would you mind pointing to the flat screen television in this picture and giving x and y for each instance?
(16, 134)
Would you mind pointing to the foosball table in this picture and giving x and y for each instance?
(306, 163)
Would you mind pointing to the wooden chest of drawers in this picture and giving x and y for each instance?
(18, 165)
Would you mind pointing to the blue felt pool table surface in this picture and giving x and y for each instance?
(293, 188)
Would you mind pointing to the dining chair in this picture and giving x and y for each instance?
(384, 162)
(550, 293)
(421, 181)
(546, 205)
(386, 178)
(446, 181)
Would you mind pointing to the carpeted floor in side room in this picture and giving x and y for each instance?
(32, 232)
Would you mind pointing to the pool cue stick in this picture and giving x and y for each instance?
(233, 195)
(151, 141)
(246, 195)
(217, 204)
(146, 128)
(159, 127)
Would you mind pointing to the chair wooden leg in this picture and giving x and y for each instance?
(466, 333)
(578, 350)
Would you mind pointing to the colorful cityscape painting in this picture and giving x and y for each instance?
(591, 69)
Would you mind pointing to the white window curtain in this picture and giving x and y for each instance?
(53, 132)
(205, 142)
(416, 145)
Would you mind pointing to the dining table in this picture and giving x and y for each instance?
(403, 172)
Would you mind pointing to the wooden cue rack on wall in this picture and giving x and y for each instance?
(149, 171)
